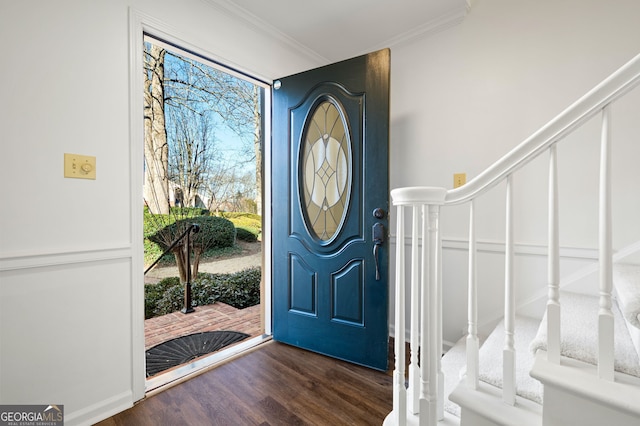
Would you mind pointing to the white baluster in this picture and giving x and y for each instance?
(414, 370)
(439, 324)
(605, 316)
(424, 322)
(508, 353)
(553, 302)
(399, 391)
(472, 307)
(429, 352)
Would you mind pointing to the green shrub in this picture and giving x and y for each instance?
(248, 228)
(153, 223)
(247, 234)
(242, 215)
(214, 232)
(154, 292)
(240, 290)
(172, 300)
(248, 221)
(187, 212)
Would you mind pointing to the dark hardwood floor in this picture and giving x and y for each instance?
(275, 384)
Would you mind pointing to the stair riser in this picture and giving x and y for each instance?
(583, 412)
(471, 418)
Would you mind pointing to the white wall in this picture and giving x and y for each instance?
(464, 97)
(460, 99)
(70, 268)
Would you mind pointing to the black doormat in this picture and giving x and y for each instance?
(183, 349)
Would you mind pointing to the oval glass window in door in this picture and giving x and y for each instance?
(325, 175)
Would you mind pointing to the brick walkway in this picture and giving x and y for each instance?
(218, 316)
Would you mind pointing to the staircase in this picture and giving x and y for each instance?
(578, 365)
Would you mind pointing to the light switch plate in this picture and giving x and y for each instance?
(459, 179)
(79, 166)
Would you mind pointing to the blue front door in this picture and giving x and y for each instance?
(330, 201)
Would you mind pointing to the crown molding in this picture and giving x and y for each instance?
(429, 28)
(232, 10)
(441, 23)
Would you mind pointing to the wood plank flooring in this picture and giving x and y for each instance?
(275, 384)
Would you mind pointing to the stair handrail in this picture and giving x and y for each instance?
(616, 85)
(426, 202)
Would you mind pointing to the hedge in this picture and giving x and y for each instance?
(240, 290)
(214, 232)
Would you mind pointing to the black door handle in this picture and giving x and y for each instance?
(378, 239)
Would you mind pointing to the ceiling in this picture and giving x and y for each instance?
(333, 30)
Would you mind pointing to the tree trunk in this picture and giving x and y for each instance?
(197, 252)
(181, 261)
(257, 144)
(156, 149)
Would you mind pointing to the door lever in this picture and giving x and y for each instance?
(378, 239)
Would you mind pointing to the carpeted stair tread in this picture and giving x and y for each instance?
(455, 360)
(491, 358)
(626, 281)
(453, 365)
(579, 331)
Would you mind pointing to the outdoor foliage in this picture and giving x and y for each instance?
(154, 292)
(152, 223)
(248, 228)
(240, 290)
(249, 225)
(248, 235)
(215, 232)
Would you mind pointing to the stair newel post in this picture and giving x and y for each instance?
(553, 269)
(473, 345)
(426, 202)
(509, 353)
(605, 315)
(414, 370)
(399, 390)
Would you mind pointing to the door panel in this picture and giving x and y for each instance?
(330, 172)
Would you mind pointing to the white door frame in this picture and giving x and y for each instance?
(140, 24)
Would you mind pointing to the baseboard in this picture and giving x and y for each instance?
(446, 345)
(100, 411)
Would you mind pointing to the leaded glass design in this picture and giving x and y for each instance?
(326, 171)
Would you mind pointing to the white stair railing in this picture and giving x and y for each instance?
(424, 403)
